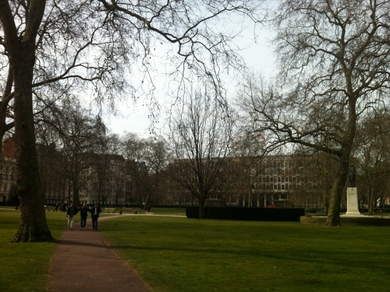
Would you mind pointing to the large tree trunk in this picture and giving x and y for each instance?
(76, 192)
(335, 195)
(201, 208)
(33, 225)
(344, 164)
(4, 103)
(370, 199)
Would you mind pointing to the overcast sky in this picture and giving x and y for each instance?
(259, 56)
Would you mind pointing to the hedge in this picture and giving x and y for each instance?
(248, 214)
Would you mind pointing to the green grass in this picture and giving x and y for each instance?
(25, 266)
(169, 211)
(179, 254)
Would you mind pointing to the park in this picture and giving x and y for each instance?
(173, 253)
(304, 132)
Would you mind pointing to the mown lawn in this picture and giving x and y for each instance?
(179, 254)
(25, 266)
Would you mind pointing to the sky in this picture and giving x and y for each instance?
(134, 117)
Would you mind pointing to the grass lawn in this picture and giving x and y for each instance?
(169, 211)
(179, 254)
(25, 266)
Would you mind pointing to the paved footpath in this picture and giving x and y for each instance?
(82, 262)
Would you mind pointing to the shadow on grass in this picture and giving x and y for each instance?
(342, 259)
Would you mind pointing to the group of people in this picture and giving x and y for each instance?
(84, 210)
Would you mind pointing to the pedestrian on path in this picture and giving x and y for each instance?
(71, 212)
(95, 211)
(78, 265)
(83, 216)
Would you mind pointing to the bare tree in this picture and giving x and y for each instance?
(372, 155)
(334, 58)
(53, 174)
(201, 137)
(79, 137)
(19, 43)
(112, 145)
(147, 158)
(55, 47)
(244, 166)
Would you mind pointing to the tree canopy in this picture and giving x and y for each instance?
(334, 58)
(53, 48)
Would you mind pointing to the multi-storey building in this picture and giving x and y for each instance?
(105, 182)
(7, 169)
(281, 180)
(278, 180)
(52, 172)
(288, 180)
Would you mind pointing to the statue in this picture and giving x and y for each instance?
(352, 177)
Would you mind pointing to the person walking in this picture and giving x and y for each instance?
(71, 212)
(95, 211)
(83, 216)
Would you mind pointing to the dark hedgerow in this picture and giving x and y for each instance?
(248, 214)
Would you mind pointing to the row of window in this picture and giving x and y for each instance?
(281, 179)
(279, 187)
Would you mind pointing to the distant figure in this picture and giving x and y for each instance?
(95, 211)
(83, 216)
(352, 177)
(71, 212)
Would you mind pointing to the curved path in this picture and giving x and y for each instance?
(82, 262)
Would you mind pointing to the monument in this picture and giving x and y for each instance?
(352, 195)
(352, 217)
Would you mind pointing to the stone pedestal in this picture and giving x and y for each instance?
(352, 202)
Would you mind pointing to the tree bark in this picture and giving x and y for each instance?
(21, 54)
(201, 209)
(370, 199)
(33, 226)
(334, 203)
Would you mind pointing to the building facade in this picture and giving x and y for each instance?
(271, 181)
(105, 182)
(7, 170)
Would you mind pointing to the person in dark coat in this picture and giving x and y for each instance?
(70, 213)
(83, 216)
(95, 211)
